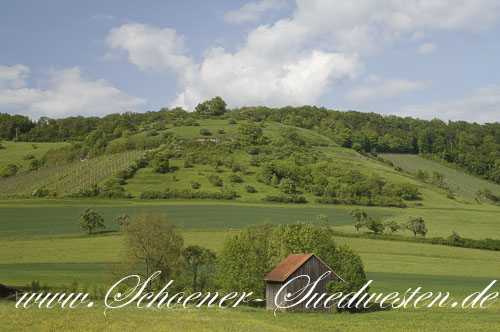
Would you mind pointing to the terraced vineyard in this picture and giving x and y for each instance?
(68, 178)
(458, 181)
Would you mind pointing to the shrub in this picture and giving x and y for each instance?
(29, 156)
(285, 198)
(250, 189)
(160, 163)
(205, 132)
(195, 185)
(9, 170)
(235, 178)
(215, 180)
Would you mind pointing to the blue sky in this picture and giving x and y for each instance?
(426, 59)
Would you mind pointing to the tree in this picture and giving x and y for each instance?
(90, 220)
(437, 178)
(200, 264)
(153, 244)
(360, 216)
(393, 226)
(417, 226)
(247, 257)
(374, 224)
(160, 163)
(287, 186)
(122, 220)
(214, 107)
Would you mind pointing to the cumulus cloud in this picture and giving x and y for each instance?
(384, 89)
(367, 25)
(65, 92)
(251, 12)
(482, 106)
(427, 48)
(295, 60)
(13, 76)
(150, 49)
(270, 68)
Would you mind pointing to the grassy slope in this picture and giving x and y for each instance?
(14, 152)
(458, 181)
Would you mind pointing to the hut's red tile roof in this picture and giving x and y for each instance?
(287, 267)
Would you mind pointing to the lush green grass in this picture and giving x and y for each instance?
(456, 180)
(46, 220)
(390, 264)
(245, 319)
(15, 152)
(55, 216)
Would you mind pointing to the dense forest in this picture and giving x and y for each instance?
(470, 146)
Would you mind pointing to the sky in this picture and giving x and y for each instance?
(426, 59)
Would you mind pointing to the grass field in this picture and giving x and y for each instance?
(59, 260)
(393, 266)
(39, 240)
(456, 180)
(245, 319)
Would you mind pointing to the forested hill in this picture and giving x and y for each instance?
(471, 146)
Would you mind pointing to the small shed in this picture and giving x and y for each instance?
(8, 293)
(294, 266)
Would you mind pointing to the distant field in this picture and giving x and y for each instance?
(17, 152)
(67, 178)
(47, 220)
(456, 180)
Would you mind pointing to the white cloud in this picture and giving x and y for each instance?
(482, 105)
(102, 17)
(366, 26)
(252, 11)
(384, 89)
(295, 60)
(150, 49)
(427, 48)
(270, 69)
(66, 93)
(13, 76)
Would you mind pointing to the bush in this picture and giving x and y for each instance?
(160, 163)
(205, 132)
(215, 180)
(235, 178)
(250, 189)
(195, 185)
(9, 170)
(282, 198)
(29, 156)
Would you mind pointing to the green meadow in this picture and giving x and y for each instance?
(39, 239)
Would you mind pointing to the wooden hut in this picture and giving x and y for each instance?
(294, 266)
(8, 293)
